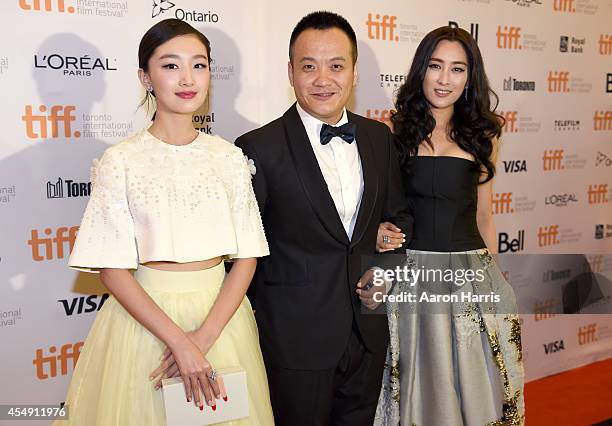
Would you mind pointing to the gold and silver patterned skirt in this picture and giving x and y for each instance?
(455, 351)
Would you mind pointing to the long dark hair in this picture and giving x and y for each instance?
(157, 35)
(474, 123)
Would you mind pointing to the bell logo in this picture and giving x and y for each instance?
(597, 194)
(552, 159)
(509, 37)
(48, 5)
(602, 121)
(37, 125)
(587, 335)
(382, 115)
(382, 29)
(514, 245)
(63, 235)
(473, 29)
(67, 352)
(510, 117)
(543, 310)
(564, 6)
(502, 203)
(547, 235)
(558, 81)
(605, 44)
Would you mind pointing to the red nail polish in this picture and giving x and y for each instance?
(214, 407)
(225, 398)
(201, 408)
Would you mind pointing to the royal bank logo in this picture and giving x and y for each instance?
(160, 7)
(603, 231)
(602, 160)
(68, 189)
(74, 66)
(512, 84)
(204, 122)
(569, 44)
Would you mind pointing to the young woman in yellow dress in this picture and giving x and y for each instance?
(171, 203)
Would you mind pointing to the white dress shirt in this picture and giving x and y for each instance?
(341, 168)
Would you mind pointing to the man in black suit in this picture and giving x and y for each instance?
(324, 179)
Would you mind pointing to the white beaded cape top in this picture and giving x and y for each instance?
(152, 201)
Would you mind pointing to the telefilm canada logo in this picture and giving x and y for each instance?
(566, 125)
(74, 66)
(161, 7)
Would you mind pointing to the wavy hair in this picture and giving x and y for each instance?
(474, 123)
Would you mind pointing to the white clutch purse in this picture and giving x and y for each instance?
(179, 412)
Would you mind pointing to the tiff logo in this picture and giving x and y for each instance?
(68, 352)
(558, 81)
(602, 120)
(473, 29)
(564, 6)
(382, 29)
(73, 189)
(510, 118)
(60, 114)
(587, 334)
(49, 5)
(544, 309)
(502, 203)
(605, 44)
(597, 194)
(509, 37)
(63, 235)
(383, 115)
(552, 159)
(547, 235)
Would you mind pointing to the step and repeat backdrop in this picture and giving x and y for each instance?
(68, 79)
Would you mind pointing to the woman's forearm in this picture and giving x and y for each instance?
(141, 307)
(229, 298)
(487, 230)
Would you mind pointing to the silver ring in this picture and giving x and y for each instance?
(213, 375)
(386, 239)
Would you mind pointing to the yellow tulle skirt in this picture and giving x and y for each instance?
(110, 384)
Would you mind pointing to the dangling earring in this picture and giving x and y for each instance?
(150, 88)
(466, 92)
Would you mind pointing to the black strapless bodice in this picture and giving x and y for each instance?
(443, 194)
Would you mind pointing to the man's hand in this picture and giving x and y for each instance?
(367, 287)
(389, 237)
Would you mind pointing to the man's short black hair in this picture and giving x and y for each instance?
(323, 20)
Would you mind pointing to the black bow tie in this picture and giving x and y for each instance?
(346, 132)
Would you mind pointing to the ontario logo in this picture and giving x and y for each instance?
(160, 7)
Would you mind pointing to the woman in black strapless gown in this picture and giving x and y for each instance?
(456, 361)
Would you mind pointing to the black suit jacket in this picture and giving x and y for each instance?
(304, 292)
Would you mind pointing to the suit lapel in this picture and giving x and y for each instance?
(370, 179)
(310, 175)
